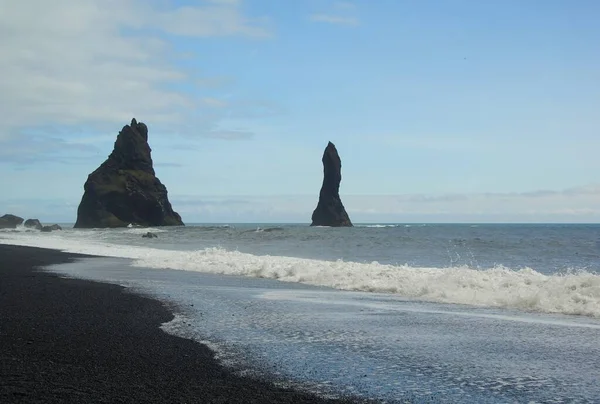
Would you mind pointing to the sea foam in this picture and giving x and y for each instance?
(574, 293)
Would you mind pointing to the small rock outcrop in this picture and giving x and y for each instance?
(330, 210)
(124, 190)
(51, 228)
(9, 221)
(33, 224)
(149, 235)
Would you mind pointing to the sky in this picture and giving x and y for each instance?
(441, 110)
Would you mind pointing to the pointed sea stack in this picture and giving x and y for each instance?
(330, 211)
(124, 189)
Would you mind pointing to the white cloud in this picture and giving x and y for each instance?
(342, 13)
(36, 149)
(95, 64)
(222, 18)
(334, 19)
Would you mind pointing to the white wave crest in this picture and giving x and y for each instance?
(576, 293)
(144, 230)
(20, 228)
(377, 226)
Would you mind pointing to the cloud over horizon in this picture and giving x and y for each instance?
(574, 205)
(579, 204)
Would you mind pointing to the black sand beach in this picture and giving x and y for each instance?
(68, 340)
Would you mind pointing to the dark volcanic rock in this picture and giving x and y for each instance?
(124, 189)
(149, 235)
(51, 228)
(33, 224)
(330, 211)
(9, 221)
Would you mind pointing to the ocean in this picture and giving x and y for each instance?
(481, 313)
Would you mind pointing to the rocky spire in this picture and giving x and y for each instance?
(132, 151)
(124, 189)
(330, 210)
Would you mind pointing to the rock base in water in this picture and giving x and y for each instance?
(9, 221)
(33, 224)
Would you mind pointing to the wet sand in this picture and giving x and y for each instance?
(69, 340)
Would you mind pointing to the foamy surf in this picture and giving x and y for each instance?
(377, 226)
(575, 293)
(144, 230)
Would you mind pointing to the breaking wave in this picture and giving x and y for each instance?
(144, 230)
(574, 292)
(377, 226)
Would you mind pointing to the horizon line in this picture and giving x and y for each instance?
(371, 223)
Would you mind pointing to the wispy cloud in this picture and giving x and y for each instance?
(341, 13)
(344, 5)
(334, 19)
(221, 18)
(92, 65)
(38, 149)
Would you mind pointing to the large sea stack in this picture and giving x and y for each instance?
(124, 189)
(330, 211)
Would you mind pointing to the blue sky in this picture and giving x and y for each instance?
(441, 110)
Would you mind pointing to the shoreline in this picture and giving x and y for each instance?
(72, 340)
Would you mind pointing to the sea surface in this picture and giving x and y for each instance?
(471, 313)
